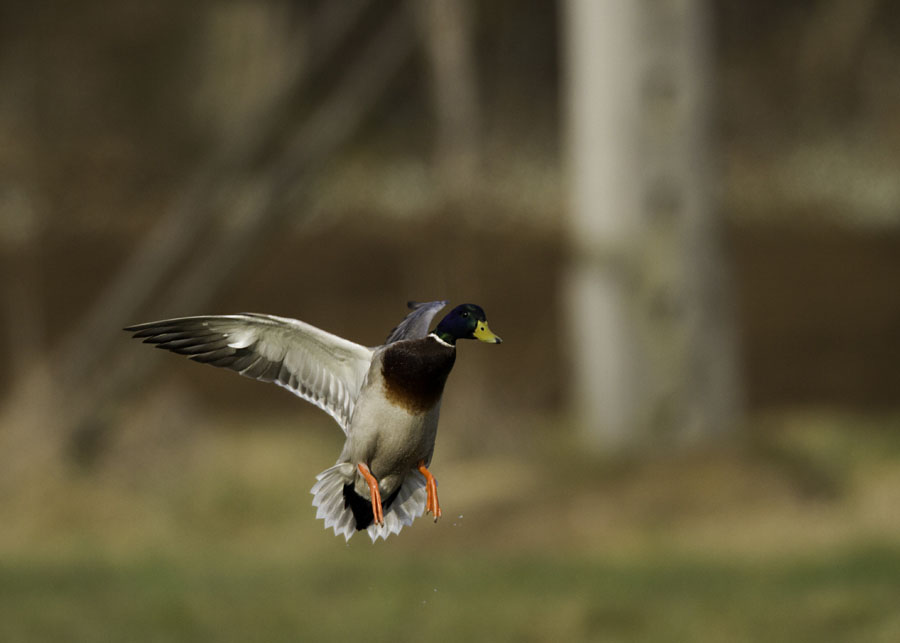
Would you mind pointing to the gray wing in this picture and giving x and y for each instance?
(317, 366)
(416, 324)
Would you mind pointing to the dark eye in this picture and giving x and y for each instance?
(465, 314)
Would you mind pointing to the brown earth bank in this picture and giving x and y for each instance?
(818, 307)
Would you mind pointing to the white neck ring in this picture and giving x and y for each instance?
(441, 341)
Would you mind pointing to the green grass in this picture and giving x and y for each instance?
(850, 597)
(794, 536)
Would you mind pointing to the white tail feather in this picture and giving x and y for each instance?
(328, 498)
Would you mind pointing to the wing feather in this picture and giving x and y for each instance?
(319, 367)
(415, 324)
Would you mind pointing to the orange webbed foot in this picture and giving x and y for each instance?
(377, 511)
(432, 505)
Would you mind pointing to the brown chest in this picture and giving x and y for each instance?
(414, 373)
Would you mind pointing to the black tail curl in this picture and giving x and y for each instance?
(361, 508)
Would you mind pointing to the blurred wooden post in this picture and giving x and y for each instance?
(248, 55)
(20, 215)
(19, 235)
(652, 344)
(22, 222)
(445, 26)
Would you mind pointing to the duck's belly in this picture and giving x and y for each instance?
(389, 438)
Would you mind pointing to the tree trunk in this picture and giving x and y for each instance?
(647, 294)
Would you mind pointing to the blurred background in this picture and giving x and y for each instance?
(682, 217)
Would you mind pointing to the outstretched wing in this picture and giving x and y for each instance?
(416, 324)
(319, 367)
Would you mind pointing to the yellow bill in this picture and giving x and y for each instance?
(483, 333)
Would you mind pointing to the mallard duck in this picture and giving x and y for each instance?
(386, 399)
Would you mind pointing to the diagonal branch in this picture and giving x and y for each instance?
(94, 373)
(326, 131)
(178, 230)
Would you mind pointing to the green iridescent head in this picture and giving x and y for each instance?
(465, 322)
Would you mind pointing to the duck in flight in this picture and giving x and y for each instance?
(386, 399)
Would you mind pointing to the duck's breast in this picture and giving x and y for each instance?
(395, 420)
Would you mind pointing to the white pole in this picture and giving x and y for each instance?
(648, 298)
(604, 105)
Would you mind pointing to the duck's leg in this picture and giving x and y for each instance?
(431, 503)
(377, 511)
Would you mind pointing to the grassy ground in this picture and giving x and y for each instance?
(850, 596)
(791, 537)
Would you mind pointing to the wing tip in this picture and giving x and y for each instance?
(413, 305)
